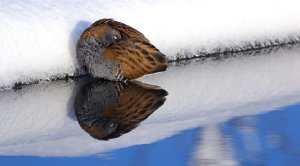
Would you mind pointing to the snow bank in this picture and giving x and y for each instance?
(37, 120)
(38, 37)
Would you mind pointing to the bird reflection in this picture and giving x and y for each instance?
(107, 109)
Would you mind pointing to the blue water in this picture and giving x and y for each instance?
(272, 138)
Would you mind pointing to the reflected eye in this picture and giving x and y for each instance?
(115, 37)
(112, 125)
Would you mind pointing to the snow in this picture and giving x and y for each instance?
(38, 119)
(38, 37)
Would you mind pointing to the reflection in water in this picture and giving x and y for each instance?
(228, 123)
(213, 148)
(109, 109)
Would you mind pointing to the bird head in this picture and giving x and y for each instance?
(110, 37)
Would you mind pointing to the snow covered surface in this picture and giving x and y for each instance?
(38, 37)
(37, 119)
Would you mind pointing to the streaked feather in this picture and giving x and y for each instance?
(109, 109)
(118, 52)
(136, 58)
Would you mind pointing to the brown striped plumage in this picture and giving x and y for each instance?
(118, 46)
(107, 109)
(135, 103)
(136, 58)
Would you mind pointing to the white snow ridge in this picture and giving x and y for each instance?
(38, 37)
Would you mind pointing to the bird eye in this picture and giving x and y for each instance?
(112, 125)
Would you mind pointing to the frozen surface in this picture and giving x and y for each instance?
(38, 119)
(38, 37)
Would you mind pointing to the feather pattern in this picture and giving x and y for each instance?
(108, 109)
(118, 52)
(136, 58)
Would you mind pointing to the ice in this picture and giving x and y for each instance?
(38, 119)
(38, 38)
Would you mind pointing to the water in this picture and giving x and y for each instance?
(239, 110)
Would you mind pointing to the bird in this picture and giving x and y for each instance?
(115, 51)
(107, 109)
